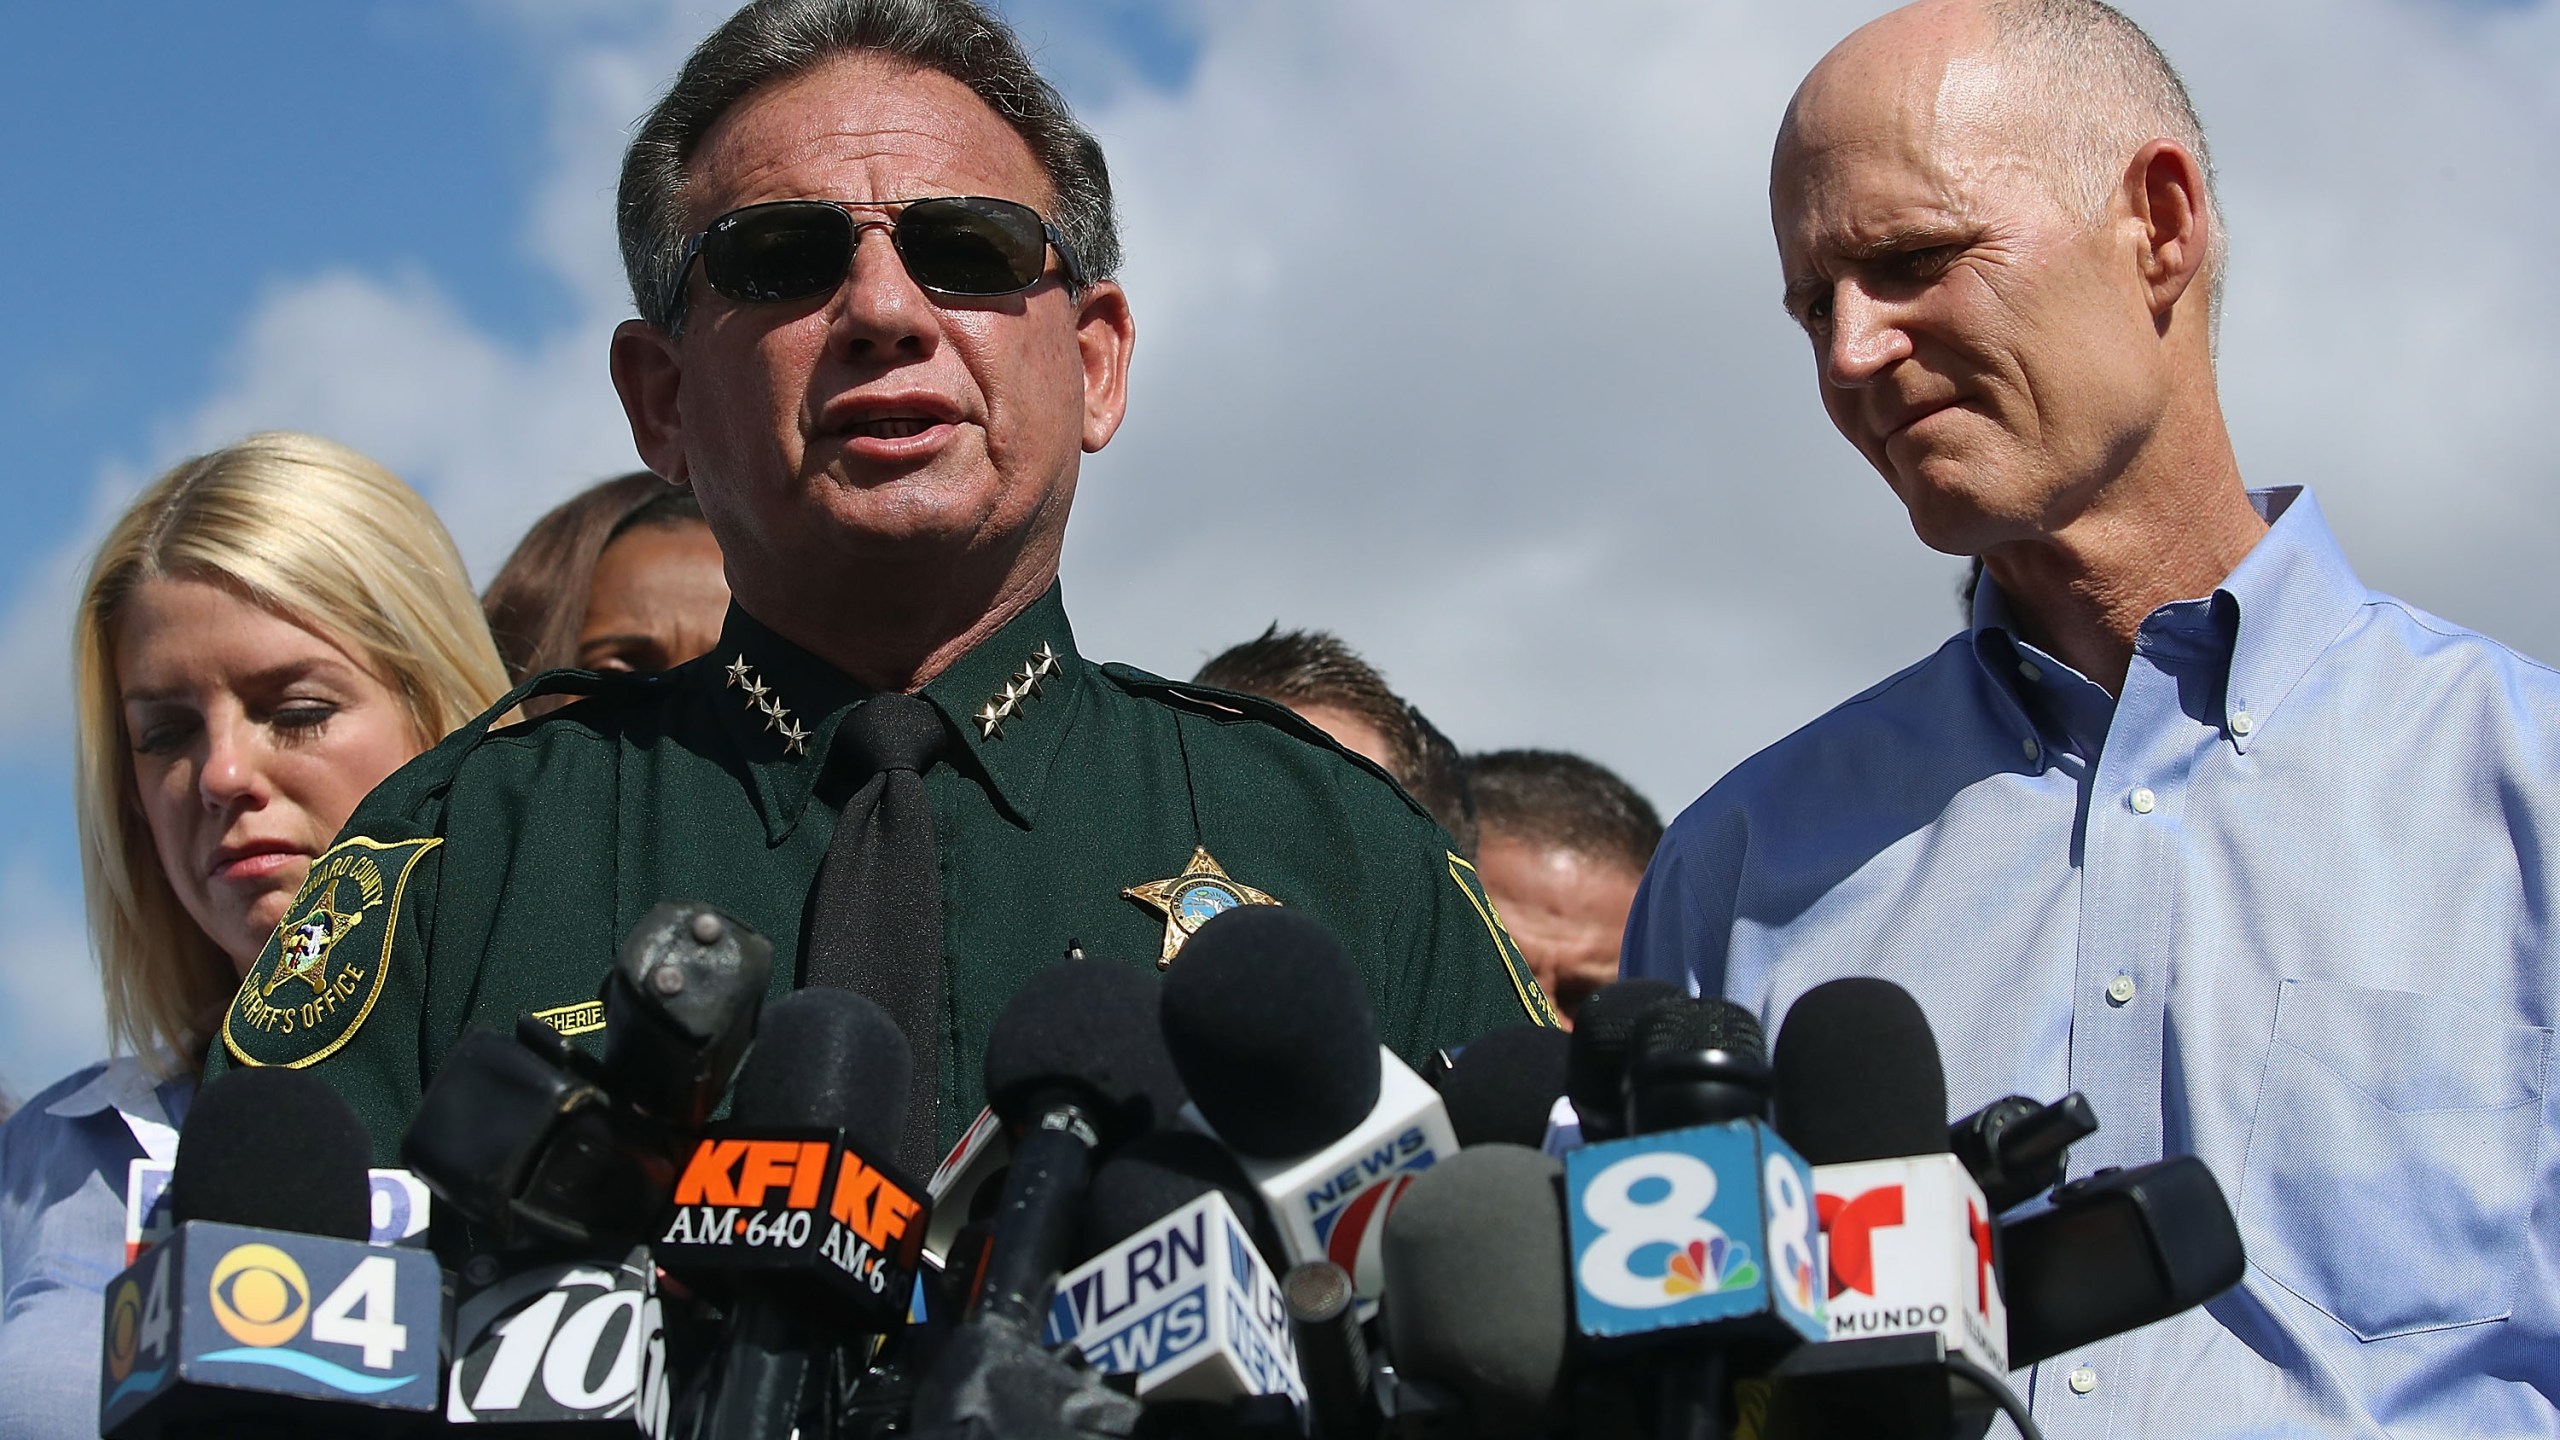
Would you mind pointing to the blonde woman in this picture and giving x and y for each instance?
(269, 631)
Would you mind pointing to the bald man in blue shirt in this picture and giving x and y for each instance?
(2189, 819)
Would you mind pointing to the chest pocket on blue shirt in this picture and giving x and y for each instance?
(2390, 1170)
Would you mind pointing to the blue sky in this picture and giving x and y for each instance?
(1382, 333)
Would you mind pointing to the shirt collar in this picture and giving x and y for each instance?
(2276, 612)
(2295, 591)
(1009, 700)
(127, 1086)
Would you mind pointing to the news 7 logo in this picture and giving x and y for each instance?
(1652, 1207)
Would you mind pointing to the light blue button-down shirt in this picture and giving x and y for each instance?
(2286, 904)
(64, 1158)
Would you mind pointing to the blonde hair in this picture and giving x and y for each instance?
(322, 536)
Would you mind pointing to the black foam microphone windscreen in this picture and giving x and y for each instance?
(1858, 1076)
(1091, 1025)
(277, 1149)
(1604, 1034)
(1156, 1174)
(1503, 1086)
(1271, 1027)
(828, 1059)
(1705, 1023)
(1478, 1292)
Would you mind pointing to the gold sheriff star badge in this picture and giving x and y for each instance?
(1191, 899)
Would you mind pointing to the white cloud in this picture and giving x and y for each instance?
(1458, 336)
(49, 1008)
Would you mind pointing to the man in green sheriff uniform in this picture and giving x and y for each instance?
(883, 414)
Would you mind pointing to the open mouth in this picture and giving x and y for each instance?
(892, 427)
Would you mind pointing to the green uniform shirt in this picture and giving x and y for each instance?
(495, 876)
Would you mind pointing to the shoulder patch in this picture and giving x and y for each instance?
(317, 980)
(1516, 968)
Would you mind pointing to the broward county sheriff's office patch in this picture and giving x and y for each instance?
(317, 979)
(1189, 900)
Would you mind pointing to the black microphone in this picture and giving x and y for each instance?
(2118, 1250)
(2016, 1149)
(540, 1144)
(1333, 1354)
(1152, 1175)
(680, 1008)
(1503, 1086)
(1695, 1062)
(1858, 1075)
(1604, 1036)
(265, 1313)
(1694, 1235)
(1074, 1064)
(1918, 1331)
(792, 1210)
(1270, 1025)
(1477, 1312)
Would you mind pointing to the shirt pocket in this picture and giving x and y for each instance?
(2390, 1165)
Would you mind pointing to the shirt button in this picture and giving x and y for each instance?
(2120, 992)
(2241, 724)
(2028, 669)
(2029, 747)
(2083, 1380)
(2142, 799)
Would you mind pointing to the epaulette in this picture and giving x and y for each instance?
(576, 683)
(431, 773)
(1233, 707)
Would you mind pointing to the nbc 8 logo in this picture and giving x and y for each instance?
(1671, 1220)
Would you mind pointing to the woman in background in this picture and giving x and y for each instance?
(622, 576)
(267, 633)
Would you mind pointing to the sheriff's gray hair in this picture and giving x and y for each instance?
(770, 40)
(2105, 90)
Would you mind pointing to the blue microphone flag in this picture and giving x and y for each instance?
(274, 1312)
(1708, 1227)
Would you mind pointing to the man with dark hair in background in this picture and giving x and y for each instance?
(872, 255)
(1561, 843)
(1330, 687)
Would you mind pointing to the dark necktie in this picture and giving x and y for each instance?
(878, 924)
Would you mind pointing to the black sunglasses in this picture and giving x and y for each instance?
(962, 245)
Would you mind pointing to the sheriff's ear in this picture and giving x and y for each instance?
(648, 375)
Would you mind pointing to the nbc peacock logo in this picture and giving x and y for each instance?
(1713, 1265)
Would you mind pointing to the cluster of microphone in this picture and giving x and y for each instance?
(1208, 1204)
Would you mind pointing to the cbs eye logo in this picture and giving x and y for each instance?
(259, 1295)
(124, 1330)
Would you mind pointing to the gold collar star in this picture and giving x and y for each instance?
(1024, 685)
(1203, 891)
